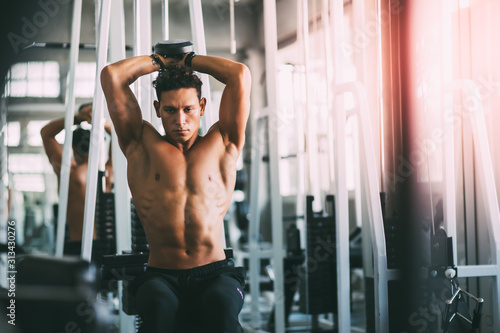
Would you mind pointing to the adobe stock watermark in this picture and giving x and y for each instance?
(454, 114)
(363, 37)
(31, 27)
(11, 272)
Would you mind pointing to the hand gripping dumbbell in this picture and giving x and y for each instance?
(173, 48)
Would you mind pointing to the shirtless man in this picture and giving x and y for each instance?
(78, 171)
(182, 184)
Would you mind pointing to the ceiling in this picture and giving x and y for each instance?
(29, 21)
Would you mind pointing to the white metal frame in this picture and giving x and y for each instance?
(311, 159)
(271, 47)
(96, 134)
(449, 200)
(231, 27)
(340, 170)
(68, 123)
(277, 253)
(255, 252)
(142, 46)
(121, 190)
(484, 169)
(165, 32)
(198, 35)
(371, 193)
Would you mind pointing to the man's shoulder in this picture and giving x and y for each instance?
(149, 136)
(217, 139)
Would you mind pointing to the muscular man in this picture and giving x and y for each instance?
(181, 184)
(78, 171)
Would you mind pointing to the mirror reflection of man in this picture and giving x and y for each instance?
(78, 171)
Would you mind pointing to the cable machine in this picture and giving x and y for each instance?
(70, 112)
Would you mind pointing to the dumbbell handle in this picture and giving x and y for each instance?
(173, 47)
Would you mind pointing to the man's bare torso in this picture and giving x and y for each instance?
(76, 200)
(181, 198)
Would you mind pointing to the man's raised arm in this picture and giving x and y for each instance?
(52, 148)
(235, 102)
(122, 104)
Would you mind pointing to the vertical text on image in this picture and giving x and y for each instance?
(11, 273)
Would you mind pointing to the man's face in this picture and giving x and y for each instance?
(180, 112)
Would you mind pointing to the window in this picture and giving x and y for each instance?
(29, 182)
(33, 79)
(85, 79)
(34, 137)
(13, 133)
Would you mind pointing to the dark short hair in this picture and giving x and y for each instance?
(81, 141)
(176, 77)
(83, 106)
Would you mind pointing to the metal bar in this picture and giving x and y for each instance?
(325, 18)
(271, 47)
(60, 45)
(372, 197)
(463, 317)
(330, 82)
(488, 190)
(342, 222)
(68, 123)
(121, 191)
(311, 118)
(231, 24)
(340, 169)
(357, 176)
(142, 46)
(254, 260)
(96, 134)
(164, 18)
(122, 194)
(449, 193)
(198, 32)
(486, 185)
(300, 144)
(359, 22)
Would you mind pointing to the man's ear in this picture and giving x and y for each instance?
(157, 108)
(203, 103)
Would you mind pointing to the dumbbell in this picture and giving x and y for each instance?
(173, 48)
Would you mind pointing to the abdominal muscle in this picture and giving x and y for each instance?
(182, 230)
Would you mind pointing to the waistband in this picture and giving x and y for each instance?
(195, 271)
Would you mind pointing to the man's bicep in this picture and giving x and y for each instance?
(125, 114)
(53, 150)
(234, 111)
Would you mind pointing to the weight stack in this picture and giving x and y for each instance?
(139, 240)
(106, 226)
(138, 323)
(392, 229)
(318, 290)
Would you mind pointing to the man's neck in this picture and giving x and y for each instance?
(183, 146)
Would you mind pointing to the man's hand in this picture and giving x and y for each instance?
(85, 114)
(173, 61)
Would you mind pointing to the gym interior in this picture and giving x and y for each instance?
(366, 197)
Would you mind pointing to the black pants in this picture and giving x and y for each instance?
(208, 297)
